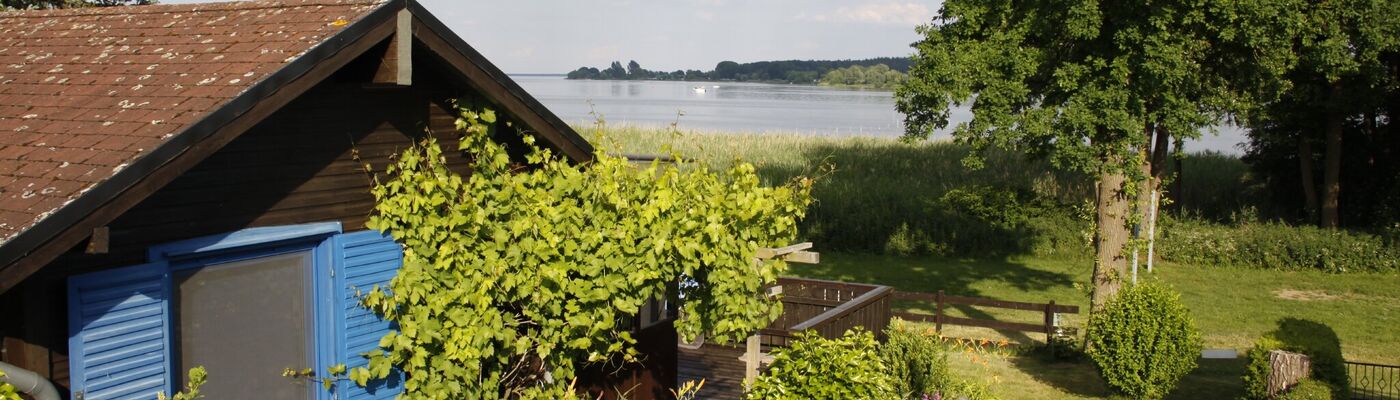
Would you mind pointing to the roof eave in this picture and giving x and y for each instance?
(46, 229)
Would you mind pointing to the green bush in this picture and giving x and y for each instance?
(1144, 341)
(813, 367)
(1277, 247)
(917, 361)
(1256, 370)
(1318, 341)
(1309, 389)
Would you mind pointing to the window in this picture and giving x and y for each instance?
(244, 305)
(653, 312)
(256, 333)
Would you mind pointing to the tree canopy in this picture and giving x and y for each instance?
(879, 76)
(1090, 85)
(787, 71)
(1343, 85)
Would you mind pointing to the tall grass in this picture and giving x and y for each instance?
(884, 195)
(1220, 188)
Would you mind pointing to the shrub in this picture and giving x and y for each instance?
(1309, 389)
(1256, 370)
(917, 361)
(1318, 341)
(1144, 341)
(1277, 246)
(814, 367)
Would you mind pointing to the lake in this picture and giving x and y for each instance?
(751, 107)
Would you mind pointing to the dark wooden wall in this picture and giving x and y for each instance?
(295, 167)
(653, 378)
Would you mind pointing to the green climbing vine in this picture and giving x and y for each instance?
(520, 273)
(7, 391)
(197, 378)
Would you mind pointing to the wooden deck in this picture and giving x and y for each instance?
(720, 366)
(826, 307)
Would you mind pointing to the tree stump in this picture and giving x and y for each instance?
(1285, 370)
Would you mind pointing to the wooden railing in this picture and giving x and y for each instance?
(940, 318)
(828, 307)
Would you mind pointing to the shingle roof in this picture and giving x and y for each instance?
(84, 92)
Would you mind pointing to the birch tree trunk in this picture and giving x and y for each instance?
(1160, 151)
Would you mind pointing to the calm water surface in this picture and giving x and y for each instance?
(749, 107)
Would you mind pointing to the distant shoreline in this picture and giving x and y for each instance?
(841, 87)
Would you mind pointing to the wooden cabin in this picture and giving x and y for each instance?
(179, 187)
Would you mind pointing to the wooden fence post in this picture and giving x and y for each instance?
(1050, 326)
(753, 354)
(938, 317)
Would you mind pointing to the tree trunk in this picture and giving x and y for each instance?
(1110, 235)
(1159, 173)
(1143, 205)
(1305, 173)
(1332, 160)
(1177, 189)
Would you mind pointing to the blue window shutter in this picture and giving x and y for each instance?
(118, 337)
(366, 259)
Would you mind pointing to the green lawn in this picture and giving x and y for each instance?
(1036, 377)
(1233, 306)
(883, 189)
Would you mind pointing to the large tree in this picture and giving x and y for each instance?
(1094, 86)
(1344, 72)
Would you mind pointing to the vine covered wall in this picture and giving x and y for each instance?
(520, 273)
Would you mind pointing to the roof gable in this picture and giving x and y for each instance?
(83, 92)
(131, 145)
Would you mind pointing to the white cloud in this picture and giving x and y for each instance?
(875, 13)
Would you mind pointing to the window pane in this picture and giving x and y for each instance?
(245, 321)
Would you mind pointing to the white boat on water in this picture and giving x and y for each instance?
(699, 89)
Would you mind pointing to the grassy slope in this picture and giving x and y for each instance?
(1232, 305)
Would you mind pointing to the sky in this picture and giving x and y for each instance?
(558, 36)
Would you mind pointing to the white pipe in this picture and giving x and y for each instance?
(1137, 233)
(1135, 263)
(1152, 228)
(28, 382)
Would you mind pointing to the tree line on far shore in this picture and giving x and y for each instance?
(787, 71)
